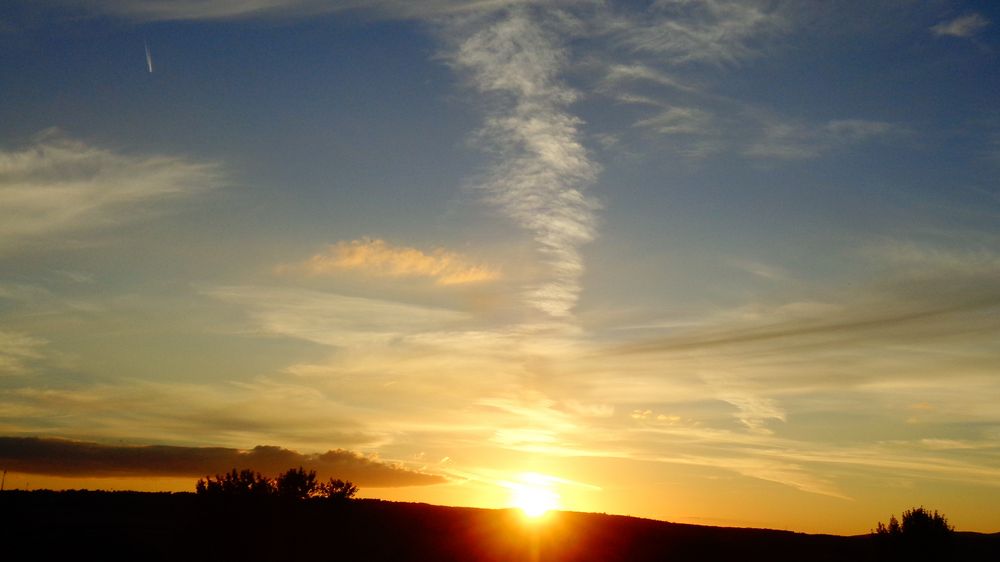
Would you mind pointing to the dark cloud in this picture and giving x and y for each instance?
(892, 325)
(60, 457)
(934, 294)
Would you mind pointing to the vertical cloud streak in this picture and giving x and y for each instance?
(542, 172)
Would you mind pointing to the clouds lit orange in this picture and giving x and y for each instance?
(377, 258)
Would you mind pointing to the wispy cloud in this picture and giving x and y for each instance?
(59, 457)
(760, 270)
(543, 170)
(781, 139)
(753, 410)
(380, 259)
(707, 31)
(157, 10)
(160, 10)
(222, 413)
(779, 470)
(813, 467)
(900, 322)
(332, 319)
(616, 74)
(927, 261)
(962, 26)
(678, 121)
(57, 186)
(691, 121)
(922, 334)
(17, 351)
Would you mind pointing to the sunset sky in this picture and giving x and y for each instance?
(728, 263)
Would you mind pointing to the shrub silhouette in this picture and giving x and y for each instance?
(293, 484)
(297, 484)
(337, 490)
(243, 483)
(917, 522)
(920, 522)
(921, 534)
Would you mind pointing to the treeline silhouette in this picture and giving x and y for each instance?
(293, 484)
(237, 526)
(922, 535)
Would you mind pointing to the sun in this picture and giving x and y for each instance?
(534, 496)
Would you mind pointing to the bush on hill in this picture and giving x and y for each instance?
(921, 532)
(293, 484)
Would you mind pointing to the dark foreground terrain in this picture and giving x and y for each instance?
(143, 526)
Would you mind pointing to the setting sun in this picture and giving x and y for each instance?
(534, 495)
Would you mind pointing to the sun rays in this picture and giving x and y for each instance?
(534, 495)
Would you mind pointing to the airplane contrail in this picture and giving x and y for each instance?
(541, 177)
(149, 58)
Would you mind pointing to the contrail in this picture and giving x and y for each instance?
(542, 171)
(149, 58)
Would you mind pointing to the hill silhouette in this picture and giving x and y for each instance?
(45, 525)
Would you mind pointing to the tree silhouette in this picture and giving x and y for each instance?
(297, 484)
(293, 484)
(243, 483)
(917, 522)
(338, 490)
(922, 534)
(891, 529)
(922, 523)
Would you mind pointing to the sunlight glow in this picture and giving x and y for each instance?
(534, 495)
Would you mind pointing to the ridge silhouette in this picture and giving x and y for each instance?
(46, 525)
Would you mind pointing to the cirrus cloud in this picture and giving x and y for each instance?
(378, 258)
(58, 185)
(16, 351)
(542, 171)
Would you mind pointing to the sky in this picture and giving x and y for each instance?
(729, 263)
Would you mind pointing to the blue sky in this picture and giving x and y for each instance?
(680, 258)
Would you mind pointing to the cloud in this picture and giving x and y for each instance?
(753, 410)
(888, 323)
(638, 72)
(332, 319)
(761, 270)
(778, 138)
(377, 258)
(721, 423)
(57, 186)
(59, 457)
(166, 10)
(925, 261)
(806, 466)
(542, 169)
(856, 129)
(705, 31)
(303, 416)
(696, 123)
(778, 470)
(923, 333)
(160, 10)
(684, 31)
(678, 121)
(17, 351)
(962, 26)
